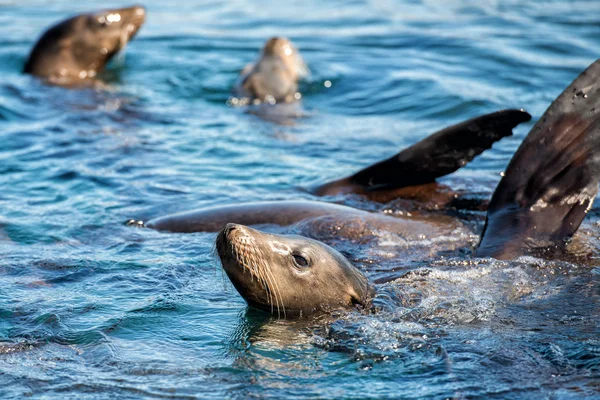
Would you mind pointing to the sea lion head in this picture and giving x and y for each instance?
(79, 47)
(288, 274)
(273, 78)
(282, 49)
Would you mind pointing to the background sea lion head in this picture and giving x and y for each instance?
(290, 275)
(283, 49)
(79, 47)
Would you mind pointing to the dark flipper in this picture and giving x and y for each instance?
(552, 179)
(437, 155)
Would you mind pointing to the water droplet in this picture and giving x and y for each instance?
(327, 84)
(113, 17)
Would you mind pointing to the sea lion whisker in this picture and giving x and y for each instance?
(264, 272)
(271, 279)
(267, 280)
(247, 256)
(264, 277)
(239, 255)
(259, 271)
(262, 267)
(277, 290)
(214, 253)
(218, 262)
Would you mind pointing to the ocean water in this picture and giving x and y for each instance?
(91, 308)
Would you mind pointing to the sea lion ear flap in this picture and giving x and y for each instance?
(551, 181)
(435, 156)
(364, 299)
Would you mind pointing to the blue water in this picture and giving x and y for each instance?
(90, 308)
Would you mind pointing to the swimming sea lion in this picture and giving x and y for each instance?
(274, 77)
(547, 189)
(72, 52)
(290, 274)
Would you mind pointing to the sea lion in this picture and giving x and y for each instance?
(411, 174)
(547, 189)
(274, 77)
(74, 51)
(291, 274)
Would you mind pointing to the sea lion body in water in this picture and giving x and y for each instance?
(547, 189)
(72, 52)
(274, 77)
(319, 219)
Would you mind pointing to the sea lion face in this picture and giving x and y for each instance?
(285, 51)
(274, 77)
(289, 274)
(80, 47)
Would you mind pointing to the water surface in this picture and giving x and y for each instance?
(92, 308)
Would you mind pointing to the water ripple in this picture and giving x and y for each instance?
(89, 307)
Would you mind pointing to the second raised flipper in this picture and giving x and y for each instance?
(552, 180)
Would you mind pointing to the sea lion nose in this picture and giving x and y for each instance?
(135, 14)
(139, 10)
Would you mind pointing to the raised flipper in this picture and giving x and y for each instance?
(552, 179)
(437, 155)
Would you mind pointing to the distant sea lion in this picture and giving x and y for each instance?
(274, 77)
(547, 189)
(72, 52)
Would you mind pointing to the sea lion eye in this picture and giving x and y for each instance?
(102, 21)
(300, 261)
